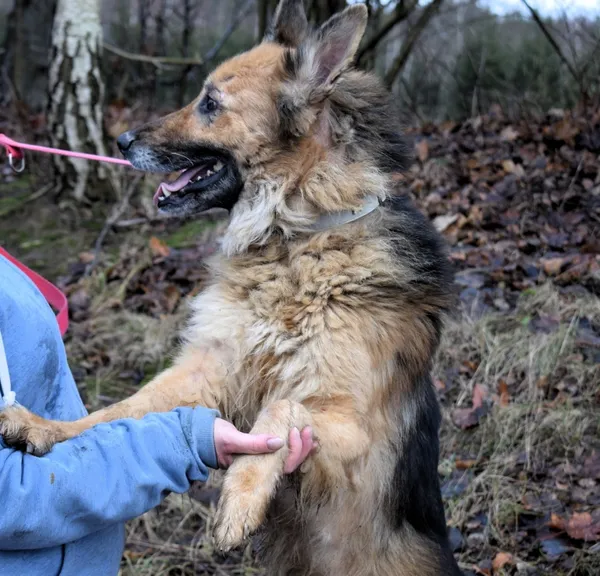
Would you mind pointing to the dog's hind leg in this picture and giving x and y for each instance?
(196, 379)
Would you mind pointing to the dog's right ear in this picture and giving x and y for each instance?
(290, 24)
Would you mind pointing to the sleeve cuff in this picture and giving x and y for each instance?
(203, 427)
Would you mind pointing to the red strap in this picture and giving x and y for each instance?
(52, 294)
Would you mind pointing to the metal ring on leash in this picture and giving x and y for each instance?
(11, 162)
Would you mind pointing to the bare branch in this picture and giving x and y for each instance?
(401, 12)
(411, 39)
(116, 213)
(160, 61)
(553, 42)
(241, 15)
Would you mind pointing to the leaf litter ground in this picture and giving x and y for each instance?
(518, 372)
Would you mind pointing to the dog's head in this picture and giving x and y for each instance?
(269, 114)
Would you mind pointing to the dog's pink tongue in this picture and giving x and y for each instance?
(177, 185)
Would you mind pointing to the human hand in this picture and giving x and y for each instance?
(230, 441)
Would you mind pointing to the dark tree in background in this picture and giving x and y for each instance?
(24, 57)
(321, 10)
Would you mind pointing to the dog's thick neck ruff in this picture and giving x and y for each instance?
(336, 219)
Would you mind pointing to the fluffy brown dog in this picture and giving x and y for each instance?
(321, 310)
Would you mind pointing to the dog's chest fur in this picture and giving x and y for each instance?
(286, 316)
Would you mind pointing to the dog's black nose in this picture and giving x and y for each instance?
(125, 140)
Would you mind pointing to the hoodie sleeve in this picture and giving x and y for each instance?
(110, 474)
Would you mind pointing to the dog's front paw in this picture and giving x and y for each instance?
(27, 432)
(243, 504)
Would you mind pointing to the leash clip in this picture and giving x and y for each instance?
(16, 168)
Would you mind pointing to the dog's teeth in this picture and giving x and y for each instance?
(165, 193)
(209, 173)
(218, 166)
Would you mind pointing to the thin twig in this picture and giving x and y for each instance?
(413, 35)
(401, 12)
(114, 216)
(35, 196)
(212, 53)
(160, 61)
(553, 43)
(568, 191)
(476, 100)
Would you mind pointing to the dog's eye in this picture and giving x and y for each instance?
(207, 105)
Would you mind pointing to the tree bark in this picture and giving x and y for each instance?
(76, 95)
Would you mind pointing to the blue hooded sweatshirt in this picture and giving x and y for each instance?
(63, 514)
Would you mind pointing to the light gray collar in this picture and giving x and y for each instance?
(335, 219)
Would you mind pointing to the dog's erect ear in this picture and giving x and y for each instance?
(289, 23)
(313, 69)
(337, 43)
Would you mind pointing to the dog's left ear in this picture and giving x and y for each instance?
(316, 65)
(337, 42)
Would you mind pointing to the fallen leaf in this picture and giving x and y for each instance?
(172, 296)
(133, 555)
(456, 540)
(470, 279)
(480, 393)
(554, 547)
(509, 134)
(485, 568)
(508, 166)
(442, 223)
(422, 150)
(86, 257)
(158, 247)
(465, 464)
(501, 560)
(542, 383)
(552, 266)
(544, 323)
(591, 466)
(504, 394)
(440, 385)
(565, 130)
(581, 526)
(466, 418)
(455, 487)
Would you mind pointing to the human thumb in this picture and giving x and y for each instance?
(258, 444)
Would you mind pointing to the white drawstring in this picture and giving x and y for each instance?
(8, 395)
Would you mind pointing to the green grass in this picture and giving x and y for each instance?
(189, 233)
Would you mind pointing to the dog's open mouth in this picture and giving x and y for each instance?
(195, 179)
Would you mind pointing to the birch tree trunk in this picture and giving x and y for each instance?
(76, 93)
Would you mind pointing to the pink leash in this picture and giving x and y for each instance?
(14, 150)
